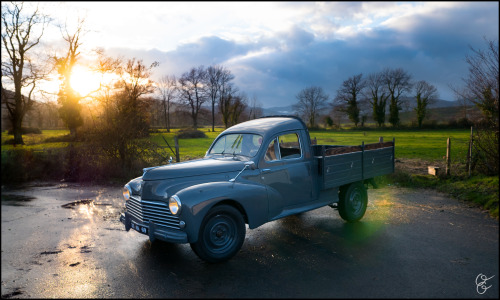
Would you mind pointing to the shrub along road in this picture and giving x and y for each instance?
(65, 241)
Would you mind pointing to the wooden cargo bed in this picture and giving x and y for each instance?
(339, 165)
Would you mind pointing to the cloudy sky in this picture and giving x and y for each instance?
(275, 49)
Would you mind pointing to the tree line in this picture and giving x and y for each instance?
(359, 96)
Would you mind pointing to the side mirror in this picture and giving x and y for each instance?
(251, 165)
(248, 165)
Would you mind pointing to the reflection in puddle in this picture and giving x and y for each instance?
(16, 200)
(78, 202)
(100, 206)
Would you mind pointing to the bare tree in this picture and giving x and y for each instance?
(227, 93)
(68, 98)
(105, 66)
(19, 37)
(215, 75)
(425, 94)
(348, 96)
(238, 106)
(311, 101)
(193, 91)
(482, 86)
(397, 82)
(226, 101)
(376, 93)
(167, 86)
(135, 83)
(255, 109)
(128, 113)
(482, 89)
(464, 103)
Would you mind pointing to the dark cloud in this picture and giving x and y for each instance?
(208, 50)
(275, 68)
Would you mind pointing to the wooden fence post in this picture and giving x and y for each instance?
(448, 157)
(469, 159)
(177, 159)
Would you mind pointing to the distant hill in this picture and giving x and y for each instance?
(445, 103)
(288, 110)
(441, 111)
(438, 103)
(278, 111)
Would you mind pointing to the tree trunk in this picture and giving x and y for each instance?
(72, 133)
(17, 122)
(168, 118)
(213, 116)
(195, 122)
(18, 134)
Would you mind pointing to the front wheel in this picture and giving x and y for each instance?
(353, 200)
(221, 235)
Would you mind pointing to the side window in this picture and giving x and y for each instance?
(271, 151)
(289, 146)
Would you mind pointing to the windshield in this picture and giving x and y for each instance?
(237, 144)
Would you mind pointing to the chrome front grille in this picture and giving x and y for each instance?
(155, 211)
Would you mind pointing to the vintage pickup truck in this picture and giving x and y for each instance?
(253, 173)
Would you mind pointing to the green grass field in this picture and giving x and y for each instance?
(427, 145)
(36, 141)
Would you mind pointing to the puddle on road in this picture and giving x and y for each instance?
(77, 202)
(90, 208)
(16, 200)
(17, 291)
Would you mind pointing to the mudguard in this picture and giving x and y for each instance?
(250, 198)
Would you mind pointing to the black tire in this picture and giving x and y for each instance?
(353, 200)
(221, 235)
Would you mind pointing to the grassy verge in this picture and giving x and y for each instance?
(478, 190)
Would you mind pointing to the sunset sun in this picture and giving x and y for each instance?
(84, 81)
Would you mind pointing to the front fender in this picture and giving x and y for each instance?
(197, 200)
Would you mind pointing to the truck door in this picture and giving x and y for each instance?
(286, 173)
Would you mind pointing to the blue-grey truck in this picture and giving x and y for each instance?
(254, 172)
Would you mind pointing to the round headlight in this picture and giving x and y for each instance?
(126, 192)
(174, 204)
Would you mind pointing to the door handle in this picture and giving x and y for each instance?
(266, 170)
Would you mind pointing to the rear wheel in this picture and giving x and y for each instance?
(353, 200)
(221, 235)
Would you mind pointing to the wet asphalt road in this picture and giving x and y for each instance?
(410, 244)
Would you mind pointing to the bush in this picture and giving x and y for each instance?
(486, 152)
(190, 134)
(464, 123)
(22, 165)
(105, 154)
(9, 142)
(89, 163)
(59, 139)
(26, 130)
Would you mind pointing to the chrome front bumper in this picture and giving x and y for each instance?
(154, 231)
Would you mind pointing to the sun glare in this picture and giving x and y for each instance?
(84, 81)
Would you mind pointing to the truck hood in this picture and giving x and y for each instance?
(199, 167)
